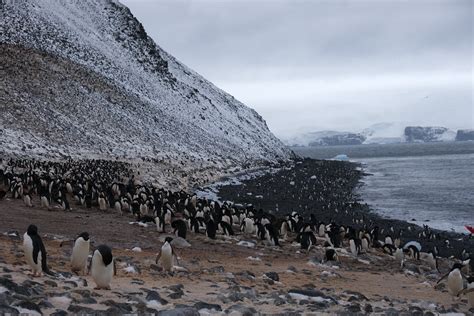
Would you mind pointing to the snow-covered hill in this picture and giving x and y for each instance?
(83, 78)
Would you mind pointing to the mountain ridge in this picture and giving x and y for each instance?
(96, 56)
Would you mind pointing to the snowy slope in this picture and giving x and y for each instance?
(83, 78)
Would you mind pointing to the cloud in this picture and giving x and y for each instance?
(312, 65)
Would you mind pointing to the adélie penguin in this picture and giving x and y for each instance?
(469, 291)
(35, 252)
(455, 279)
(167, 256)
(80, 253)
(102, 267)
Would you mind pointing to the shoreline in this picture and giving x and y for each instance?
(235, 192)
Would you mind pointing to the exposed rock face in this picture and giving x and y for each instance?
(465, 134)
(419, 134)
(83, 78)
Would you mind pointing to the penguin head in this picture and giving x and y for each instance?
(84, 235)
(32, 230)
(457, 265)
(168, 239)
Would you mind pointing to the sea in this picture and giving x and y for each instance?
(424, 183)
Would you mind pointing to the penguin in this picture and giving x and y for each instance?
(226, 228)
(180, 228)
(248, 226)
(211, 229)
(80, 253)
(469, 291)
(271, 235)
(330, 255)
(35, 251)
(365, 243)
(431, 259)
(102, 267)
(308, 240)
(167, 256)
(400, 256)
(455, 279)
(27, 200)
(44, 201)
(102, 202)
(355, 245)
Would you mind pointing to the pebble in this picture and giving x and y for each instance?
(273, 276)
(243, 310)
(180, 311)
(204, 305)
(155, 296)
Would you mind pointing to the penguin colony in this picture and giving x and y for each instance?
(110, 186)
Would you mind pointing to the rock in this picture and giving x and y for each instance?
(80, 310)
(30, 306)
(368, 308)
(273, 276)
(279, 301)
(204, 305)
(243, 310)
(59, 312)
(8, 310)
(217, 269)
(180, 311)
(246, 275)
(176, 287)
(86, 300)
(12, 286)
(51, 283)
(176, 295)
(124, 308)
(311, 293)
(353, 308)
(45, 304)
(155, 296)
(356, 296)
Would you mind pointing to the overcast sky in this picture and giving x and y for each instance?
(327, 65)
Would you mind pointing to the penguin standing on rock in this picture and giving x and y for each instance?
(167, 256)
(35, 252)
(103, 267)
(80, 253)
(455, 279)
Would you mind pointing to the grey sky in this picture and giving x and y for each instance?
(318, 65)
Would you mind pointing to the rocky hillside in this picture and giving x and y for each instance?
(83, 78)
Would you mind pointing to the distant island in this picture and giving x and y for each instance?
(383, 133)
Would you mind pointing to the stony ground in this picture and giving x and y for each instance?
(223, 277)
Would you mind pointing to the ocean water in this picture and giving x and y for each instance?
(430, 184)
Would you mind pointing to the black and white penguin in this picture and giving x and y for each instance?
(455, 279)
(330, 255)
(355, 245)
(27, 200)
(102, 267)
(469, 291)
(226, 228)
(211, 229)
(80, 253)
(272, 235)
(167, 256)
(180, 228)
(35, 252)
(307, 240)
